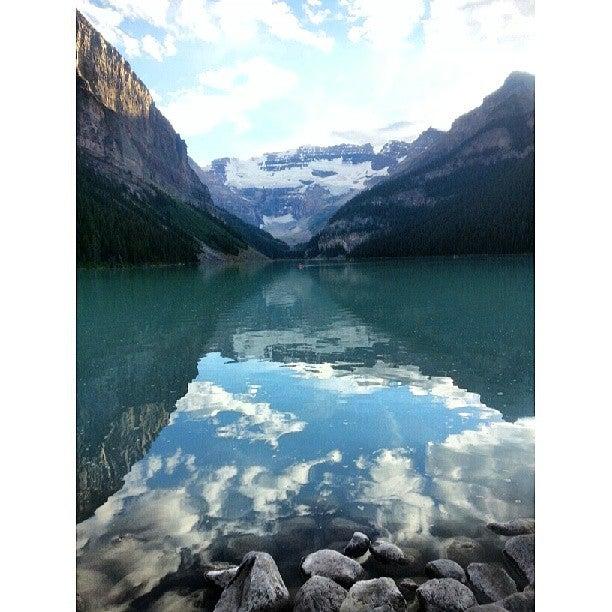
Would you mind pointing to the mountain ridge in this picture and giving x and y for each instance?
(292, 193)
(451, 197)
(138, 199)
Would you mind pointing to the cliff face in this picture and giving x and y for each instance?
(138, 198)
(120, 130)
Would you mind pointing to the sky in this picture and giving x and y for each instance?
(238, 78)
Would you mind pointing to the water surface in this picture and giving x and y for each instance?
(279, 409)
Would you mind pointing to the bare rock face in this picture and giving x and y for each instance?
(319, 594)
(386, 552)
(379, 594)
(120, 131)
(520, 550)
(333, 565)
(445, 568)
(257, 587)
(358, 546)
(445, 594)
(490, 581)
(513, 528)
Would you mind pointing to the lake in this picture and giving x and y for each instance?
(280, 408)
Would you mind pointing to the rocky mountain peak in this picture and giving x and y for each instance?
(107, 75)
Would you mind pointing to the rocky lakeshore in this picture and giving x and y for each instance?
(367, 574)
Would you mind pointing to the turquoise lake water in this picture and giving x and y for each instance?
(281, 408)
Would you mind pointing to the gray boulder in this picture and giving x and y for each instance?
(358, 546)
(445, 595)
(520, 550)
(488, 608)
(490, 581)
(221, 578)
(519, 602)
(377, 595)
(385, 552)
(334, 565)
(257, 587)
(521, 526)
(445, 568)
(319, 594)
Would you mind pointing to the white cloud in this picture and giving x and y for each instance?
(396, 490)
(480, 474)
(384, 23)
(151, 11)
(108, 20)
(315, 13)
(228, 95)
(268, 490)
(158, 50)
(257, 421)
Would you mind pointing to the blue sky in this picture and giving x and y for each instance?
(240, 77)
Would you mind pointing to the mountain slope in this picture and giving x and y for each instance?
(293, 194)
(138, 199)
(470, 191)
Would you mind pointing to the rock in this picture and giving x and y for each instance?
(385, 552)
(488, 608)
(257, 586)
(464, 551)
(516, 527)
(319, 594)
(445, 568)
(445, 594)
(520, 550)
(358, 546)
(334, 565)
(407, 587)
(377, 595)
(490, 581)
(519, 602)
(222, 578)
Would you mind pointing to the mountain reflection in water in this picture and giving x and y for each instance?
(306, 418)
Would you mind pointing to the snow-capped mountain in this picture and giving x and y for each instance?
(292, 194)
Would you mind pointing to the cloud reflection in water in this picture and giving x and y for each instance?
(437, 454)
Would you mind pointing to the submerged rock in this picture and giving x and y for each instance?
(319, 594)
(490, 581)
(520, 550)
(386, 552)
(519, 602)
(257, 587)
(464, 550)
(516, 527)
(334, 565)
(445, 594)
(358, 546)
(221, 578)
(445, 568)
(379, 594)
(407, 587)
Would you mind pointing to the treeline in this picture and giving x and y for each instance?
(116, 227)
(478, 209)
